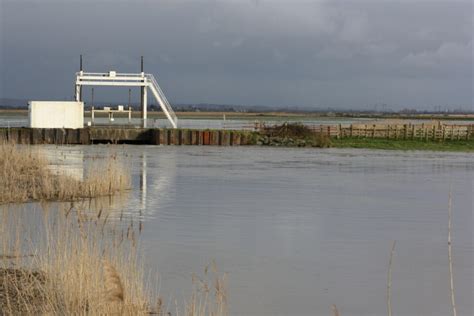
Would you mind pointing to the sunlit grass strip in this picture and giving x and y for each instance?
(393, 144)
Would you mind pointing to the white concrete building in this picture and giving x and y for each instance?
(56, 114)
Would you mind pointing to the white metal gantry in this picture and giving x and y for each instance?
(142, 80)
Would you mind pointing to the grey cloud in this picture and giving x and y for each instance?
(446, 56)
(312, 53)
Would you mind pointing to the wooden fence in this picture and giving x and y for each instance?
(397, 131)
(426, 131)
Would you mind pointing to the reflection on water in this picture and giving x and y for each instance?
(68, 162)
(159, 183)
(301, 229)
(143, 184)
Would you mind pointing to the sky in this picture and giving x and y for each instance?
(352, 54)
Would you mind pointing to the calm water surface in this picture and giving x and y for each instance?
(20, 120)
(300, 229)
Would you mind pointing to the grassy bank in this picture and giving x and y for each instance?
(298, 135)
(394, 144)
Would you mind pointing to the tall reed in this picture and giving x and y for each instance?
(25, 176)
(79, 267)
(78, 262)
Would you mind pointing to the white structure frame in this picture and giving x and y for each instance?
(142, 80)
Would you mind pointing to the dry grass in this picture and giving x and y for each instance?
(79, 263)
(209, 295)
(25, 176)
(85, 267)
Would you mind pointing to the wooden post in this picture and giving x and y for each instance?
(236, 139)
(37, 136)
(205, 137)
(168, 137)
(389, 281)
(162, 136)
(220, 136)
(179, 135)
(450, 254)
(196, 138)
(226, 139)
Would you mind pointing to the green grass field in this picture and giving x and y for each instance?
(400, 144)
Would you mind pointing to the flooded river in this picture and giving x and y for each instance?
(298, 230)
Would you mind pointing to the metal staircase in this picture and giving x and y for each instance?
(161, 98)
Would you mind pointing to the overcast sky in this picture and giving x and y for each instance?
(343, 54)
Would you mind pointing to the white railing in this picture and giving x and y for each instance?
(126, 79)
(107, 74)
(161, 98)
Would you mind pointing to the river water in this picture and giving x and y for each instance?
(298, 230)
(21, 120)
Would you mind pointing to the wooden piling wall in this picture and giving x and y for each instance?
(94, 135)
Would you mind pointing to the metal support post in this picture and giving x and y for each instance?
(144, 105)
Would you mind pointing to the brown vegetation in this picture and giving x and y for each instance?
(83, 264)
(293, 135)
(25, 176)
(79, 269)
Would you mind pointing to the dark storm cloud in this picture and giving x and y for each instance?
(310, 53)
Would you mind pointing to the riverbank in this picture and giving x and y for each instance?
(289, 136)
